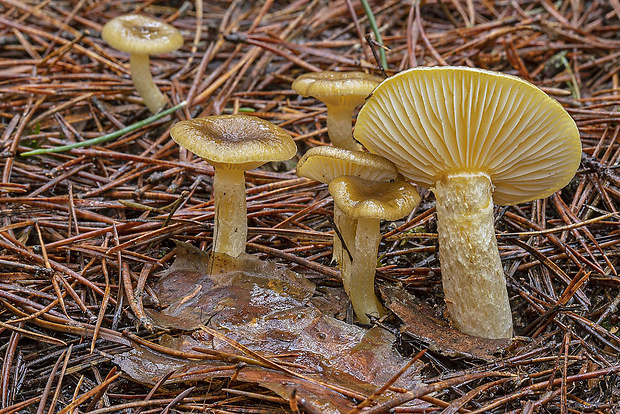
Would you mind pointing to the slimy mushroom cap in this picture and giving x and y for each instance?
(135, 33)
(337, 88)
(243, 141)
(327, 163)
(359, 198)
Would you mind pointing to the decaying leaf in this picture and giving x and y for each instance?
(421, 322)
(198, 289)
(256, 311)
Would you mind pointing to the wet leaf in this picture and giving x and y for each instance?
(254, 307)
(423, 324)
(199, 288)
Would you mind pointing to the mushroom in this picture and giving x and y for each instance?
(341, 92)
(233, 144)
(327, 163)
(473, 137)
(142, 36)
(368, 202)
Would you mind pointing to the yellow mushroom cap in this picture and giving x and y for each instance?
(439, 121)
(326, 163)
(359, 198)
(239, 141)
(344, 89)
(134, 33)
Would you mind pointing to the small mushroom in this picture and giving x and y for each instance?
(233, 144)
(473, 137)
(327, 163)
(368, 202)
(142, 36)
(341, 92)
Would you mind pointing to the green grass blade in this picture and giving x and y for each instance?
(106, 137)
(375, 30)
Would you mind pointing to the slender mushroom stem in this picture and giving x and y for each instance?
(231, 227)
(471, 269)
(363, 268)
(339, 127)
(143, 82)
(346, 226)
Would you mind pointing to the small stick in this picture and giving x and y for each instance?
(161, 382)
(62, 376)
(372, 45)
(177, 400)
(32, 335)
(106, 296)
(48, 385)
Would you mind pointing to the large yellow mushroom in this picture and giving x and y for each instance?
(473, 137)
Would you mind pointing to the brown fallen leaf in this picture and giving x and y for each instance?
(255, 311)
(199, 288)
(421, 323)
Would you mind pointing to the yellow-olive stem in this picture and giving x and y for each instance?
(471, 270)
(144, 84)
(346, 226)
(231, 222)
(361, 272)
(339, 127)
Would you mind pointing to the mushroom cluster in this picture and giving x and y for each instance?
(327, 163)
(365, 188)
(473, 137)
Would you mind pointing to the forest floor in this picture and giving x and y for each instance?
(88, 235)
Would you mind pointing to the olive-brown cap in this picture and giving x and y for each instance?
(235, 141)
(359, 198)
(344, 89)
(134, 33)
(326, 163)
(440, 121)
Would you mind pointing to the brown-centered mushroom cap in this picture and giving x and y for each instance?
(134, 33)
(244, 141)
(326, 163)
(439, 121)
(360, 198)
(337, 88)
(232, 144)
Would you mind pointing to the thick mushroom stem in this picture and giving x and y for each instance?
(471, 269)
(363, 268)
(339, 127)
(143, 82)
(231, 227)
